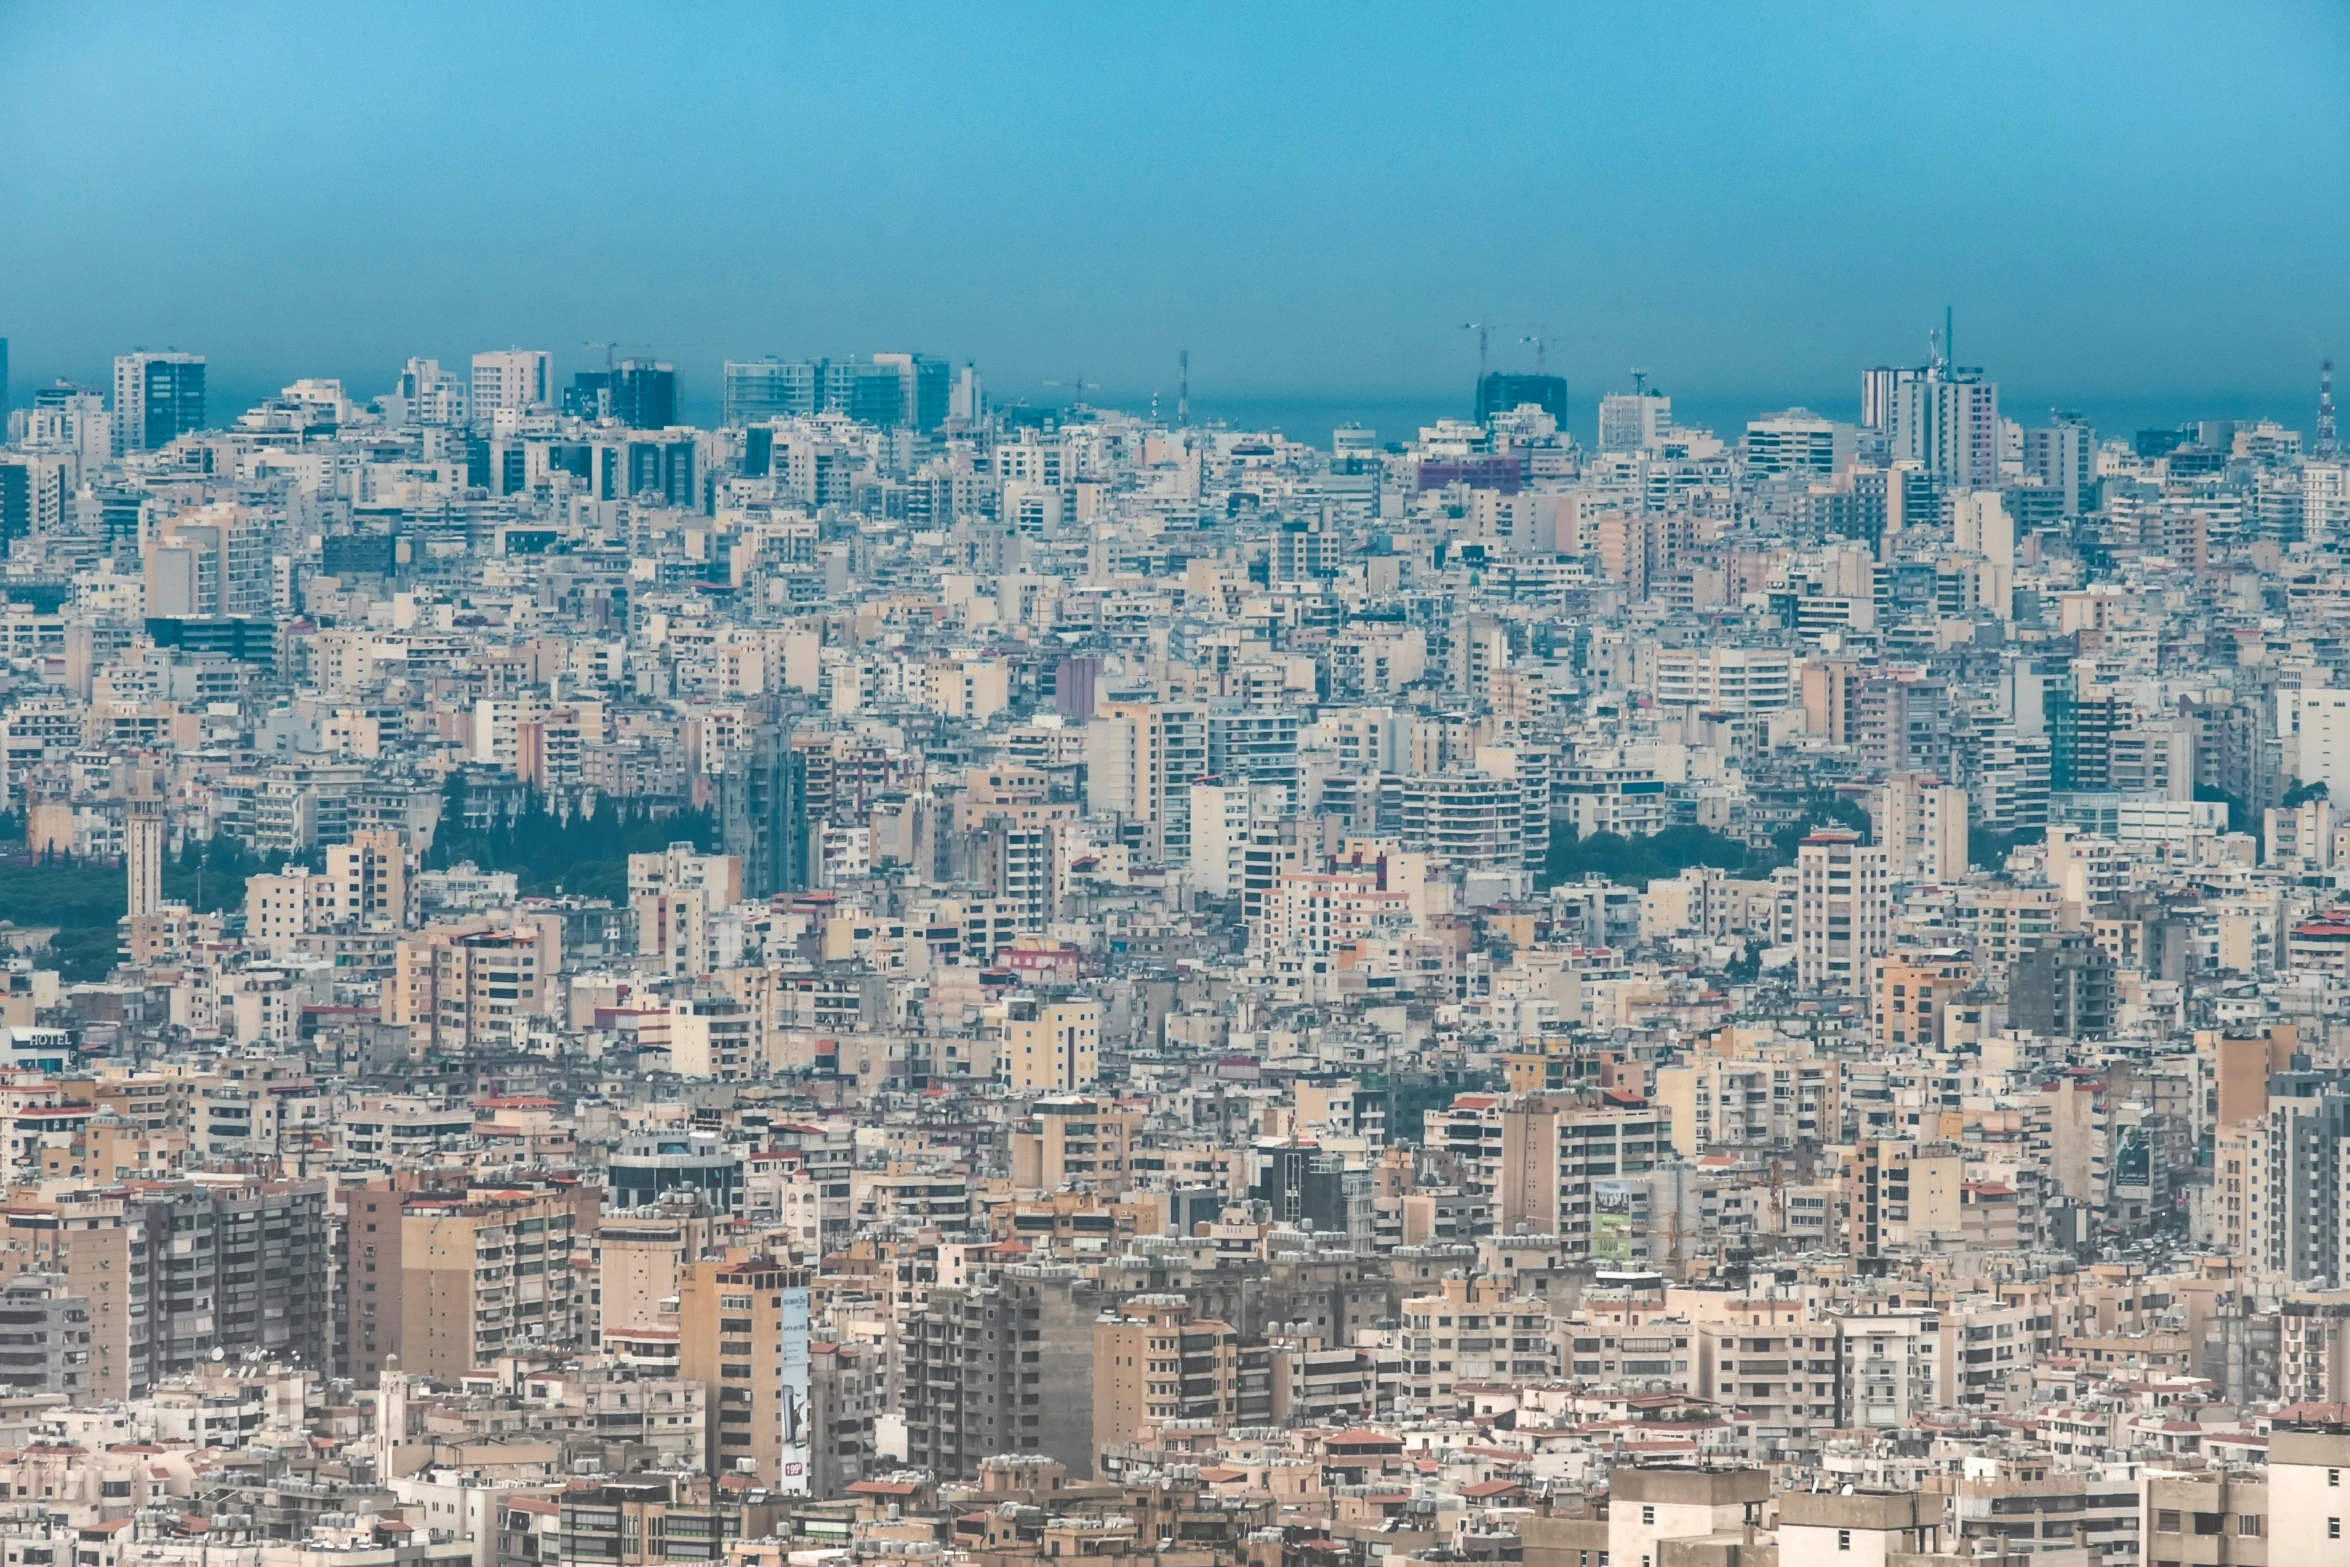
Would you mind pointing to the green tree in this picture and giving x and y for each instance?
(571, 852)
(1637, 861)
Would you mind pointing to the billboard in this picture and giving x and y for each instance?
(1615, 1226)
(794, 1446)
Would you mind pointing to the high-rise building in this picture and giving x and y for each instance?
(968, 399)
(763, 814)
(893, 391)
(1911, 994)
(1876, 396)
(1254, 743)
(1141, 758)
(1551, 1145)
(239, 1266)
(589, 396)
(36, 491)
(1471, 819)
(1053, 1047)
(1922, 822)
(675, 896)
(743, 1333)
(1726, 679)
(2063, 989)
(142, 855)
(1947, 421)
(66, 417)
(47, 1326)
(430, 395)
(100, 1243)
(1903, 725)
(2316, 727)
(867, 391)
(640, 1255)
(209, 562)
(925, 389)
(2063, 457)
(371, 1276)
(1157, 1361)
(1224, 816)
(2298, 1157)
(1798, 444)
(1843, 906)
(1894, 1194)
(512, 380)
(177, 1275)
(1501, 391)
(482, 1276)
(750, 390)
(1002, 1364)
(1632, 421)
(471, 986)
(157, 399)
(644, 393)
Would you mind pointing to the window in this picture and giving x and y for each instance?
(2333, 1528)
(1844, 1539)
(2249, 1523)
(2333, 1477)
(1648, 1515)
(2166, 1520)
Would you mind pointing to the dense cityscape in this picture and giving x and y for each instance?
(917, 976)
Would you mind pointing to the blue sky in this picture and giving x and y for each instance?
(2130, 201)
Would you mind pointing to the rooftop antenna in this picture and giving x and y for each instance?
(1949, 340)
(1639, 382)
(2326, 442)
(1183, 390)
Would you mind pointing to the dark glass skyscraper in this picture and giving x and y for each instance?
(644, 393)
(157, 399)
(1500, 391)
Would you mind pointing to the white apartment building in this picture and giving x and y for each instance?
(1726, 679)
(1843, 906)
(512, 379)
(1922, 822)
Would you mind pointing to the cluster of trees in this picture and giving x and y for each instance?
(569, 852)
(1637, 861)
(578, 853)
(85, 899)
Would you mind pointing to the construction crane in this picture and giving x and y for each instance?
(1484, 331)
(608, 347)
(1539, 336)
(1080, 386)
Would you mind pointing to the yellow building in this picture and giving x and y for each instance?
(471, 986)
(1075, 1140)
(1053, 1048)
(1910, 995)
(1155, 1362)
(743, 1334)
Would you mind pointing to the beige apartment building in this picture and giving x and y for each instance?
(482, 1275)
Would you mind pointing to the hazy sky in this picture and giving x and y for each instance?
(1751, 200)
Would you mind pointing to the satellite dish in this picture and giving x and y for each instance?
(218, 1353)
